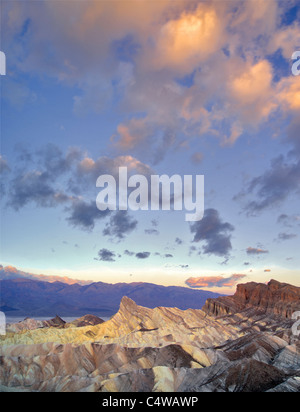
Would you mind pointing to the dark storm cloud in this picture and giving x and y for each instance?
(38, 178)
(282, 178)
(275, 185)
(84, 214)
(214, 233)
(34, 187)
(106, 255)
(142, 255)
(120, 225)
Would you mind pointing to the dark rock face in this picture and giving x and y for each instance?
(56, 322)
(275, 298)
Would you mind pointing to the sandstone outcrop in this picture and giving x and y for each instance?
(274, 298)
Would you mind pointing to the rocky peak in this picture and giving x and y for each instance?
(127, 304)
(56, 322)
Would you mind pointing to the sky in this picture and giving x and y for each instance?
(160, 87)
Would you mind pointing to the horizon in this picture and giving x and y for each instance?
(160, 88)
(66, 280)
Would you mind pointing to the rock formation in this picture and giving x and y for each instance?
(274, 298)
(57, 322)
(242, 344)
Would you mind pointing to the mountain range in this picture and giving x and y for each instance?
(28, 297)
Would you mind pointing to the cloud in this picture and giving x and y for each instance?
(214, 233)
(85, 214)
(143, 255)
(213, 281)
(3, 165)
(281, 179)
(150, 132)
(286, 236)
(39, 179)
(89, 167)
(106, 255)
(4, 168)
(178, 241)
(34, 186)
(151, 232)
(120, 225)
(146, 49)
(251, 92)
(129, 253)
(256, 251)
(184, 42)
(289, 221)
(288, 93)
(139, 255)
(52, 159)
(285, 40)
(51, 178)
(275, 185)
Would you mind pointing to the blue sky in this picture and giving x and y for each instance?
(185, 87)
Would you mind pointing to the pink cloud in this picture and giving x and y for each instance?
(214, 281)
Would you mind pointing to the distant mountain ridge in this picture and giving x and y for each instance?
(27, 297)
(10, 272)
